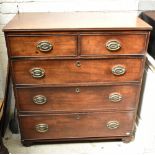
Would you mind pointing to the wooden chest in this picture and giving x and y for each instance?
(76, 76)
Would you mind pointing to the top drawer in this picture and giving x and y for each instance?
(43, 46)
(113, 44)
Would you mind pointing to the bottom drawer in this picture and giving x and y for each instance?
(76, 125)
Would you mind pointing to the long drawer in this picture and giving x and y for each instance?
(113, 44)
(76, 125)
(43, 45)
(76, 99)
(76, 71)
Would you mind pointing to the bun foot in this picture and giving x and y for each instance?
(128, 139)
(26, 143)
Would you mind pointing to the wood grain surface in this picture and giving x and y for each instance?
(66, 71)
(68, 21)
(66, 99)
(63, 45)
(76, 125)
(96, 44)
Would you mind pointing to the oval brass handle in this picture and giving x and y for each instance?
(37, 73)
(78, 64)
(39, 99)
(77, 90)
(41, 127)
(44, 46)
(113, 45)
(115, 97)
(118, 70)
(113, 125)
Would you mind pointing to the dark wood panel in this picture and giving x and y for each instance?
(76, 125)
(96, 44)
(63, 45)
(67, 71)
(67, 99)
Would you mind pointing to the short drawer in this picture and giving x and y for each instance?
(43, 46)
(76, 125)
(77, 99)
(113, 44)
(58, 72)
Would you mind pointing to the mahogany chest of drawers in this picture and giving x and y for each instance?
(76, 76)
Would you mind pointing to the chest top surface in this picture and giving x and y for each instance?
(75, 21)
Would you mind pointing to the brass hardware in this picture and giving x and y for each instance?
(113, 125)
(115, 97)
(77, 90)
(42, 127)
(39, 99)
(113, 45)
(78, 64)
(44, 46)
(118, 70)
(37, 72)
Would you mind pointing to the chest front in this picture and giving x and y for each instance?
(76, 82)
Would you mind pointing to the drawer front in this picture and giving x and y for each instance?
(43, 46)
(111, 44)
(75, 72)
(76, 99)
(67, 125)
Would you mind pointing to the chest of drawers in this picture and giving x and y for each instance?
(76, 76)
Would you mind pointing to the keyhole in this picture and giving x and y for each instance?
(77, 90)
(78, 64)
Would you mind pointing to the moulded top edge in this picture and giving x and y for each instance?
(75, 21)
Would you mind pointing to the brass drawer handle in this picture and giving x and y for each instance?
(113, 125)
(44, 46)
(77, 90)
(37, 73)
(39, 99)
(113, 45)
(41, 127)
(118, 70)
(78, 64)
(115, 97)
